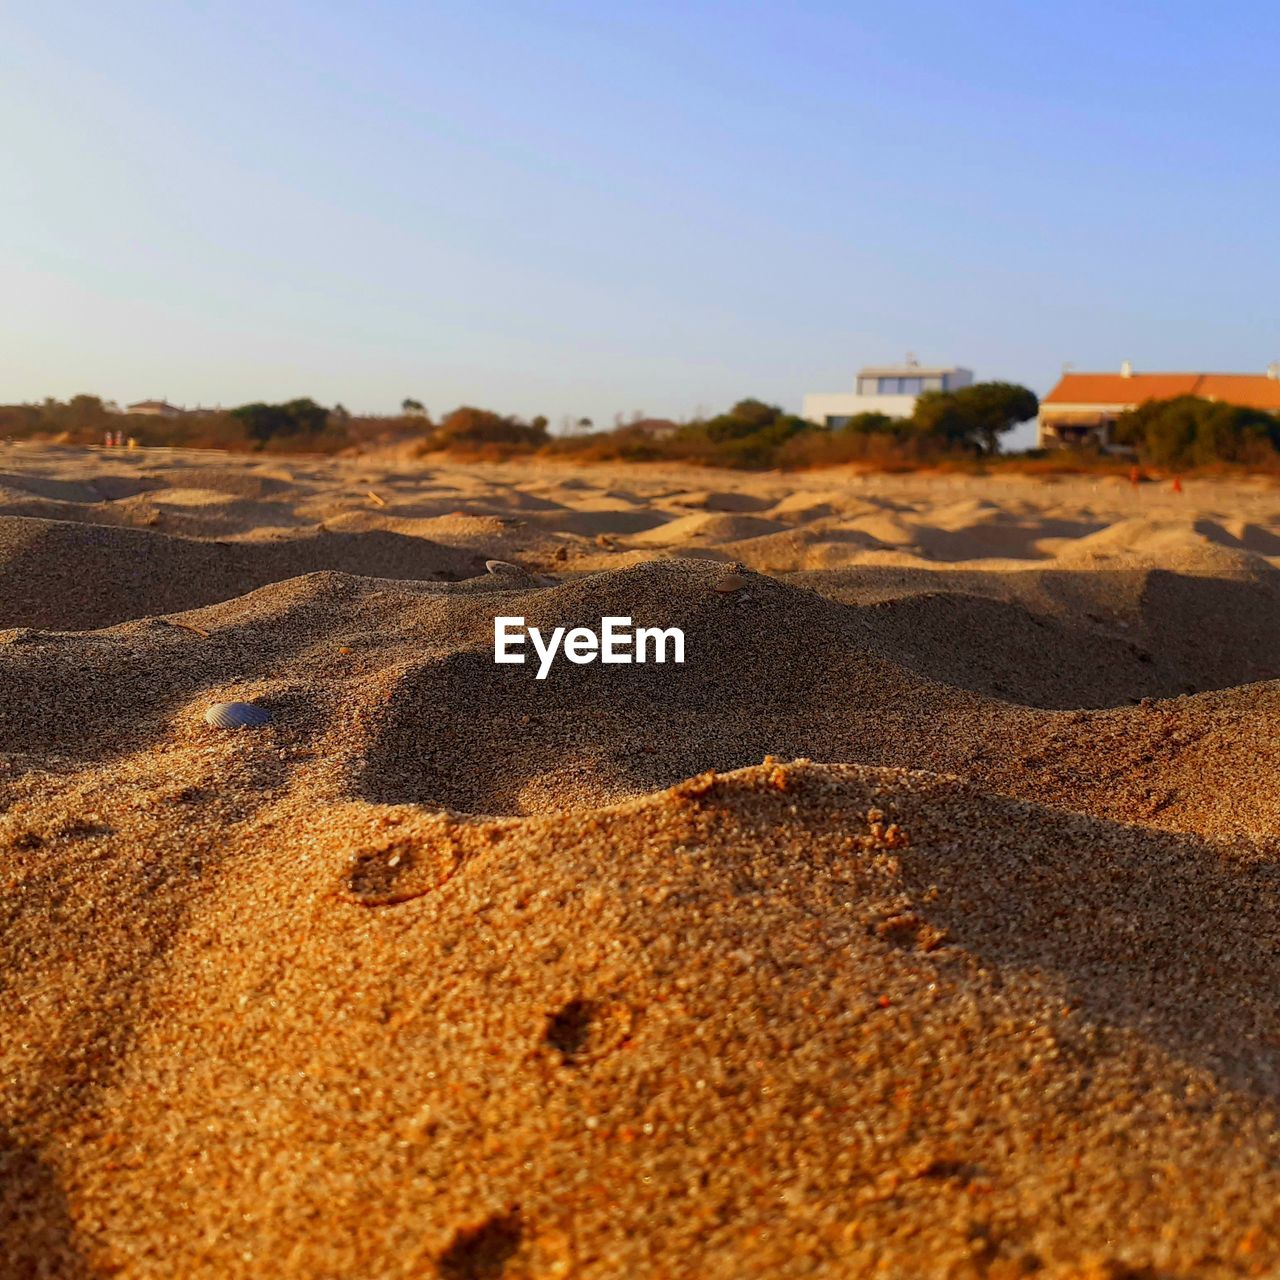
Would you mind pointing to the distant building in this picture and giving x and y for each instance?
(654, 428)
(155, 409)
(891, 389)
(1083, 408)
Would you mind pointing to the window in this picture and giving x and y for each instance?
(836, 421)
(911, 385)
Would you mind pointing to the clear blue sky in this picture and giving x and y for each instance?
(594, 207)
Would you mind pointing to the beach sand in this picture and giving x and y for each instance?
(924, 922)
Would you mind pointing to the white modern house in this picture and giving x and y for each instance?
(891, 389)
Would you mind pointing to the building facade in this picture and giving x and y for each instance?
(155, 409)
(891, 389)
(1082, 409)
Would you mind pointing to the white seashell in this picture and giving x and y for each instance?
(501, 567)
(237, 715)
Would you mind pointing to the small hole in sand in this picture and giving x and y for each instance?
(407, 869)
(482, 1253)
(374, 875)
(947, 1169)
(584, 1030)
(570, 1029)
(85, 830)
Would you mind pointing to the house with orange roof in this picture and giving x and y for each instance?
(1083, 408)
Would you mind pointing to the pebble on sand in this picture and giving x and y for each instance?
(731, 582)
(237, 715)
(503, 568)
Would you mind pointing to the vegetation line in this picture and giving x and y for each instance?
(958, 429)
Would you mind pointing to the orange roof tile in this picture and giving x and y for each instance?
(1115, 388)
(1251, 390)
(1254, 391)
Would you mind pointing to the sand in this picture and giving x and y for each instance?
(926, 921)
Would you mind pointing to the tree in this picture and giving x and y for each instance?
(263, 422)
(84, 415)
(469, 425)
(749, 418)
(878, 423)
(1188, 431)
(975, 416)
(411, 406)
(744, 419)
(747, 436)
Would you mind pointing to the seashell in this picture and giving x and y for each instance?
(237, 715)
(731, 582)
(499, 568)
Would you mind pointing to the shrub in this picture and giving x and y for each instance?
(264, 422)
(1187, 431)
(468, 426)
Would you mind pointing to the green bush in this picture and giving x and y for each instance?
(1187, 431)
(299, 418)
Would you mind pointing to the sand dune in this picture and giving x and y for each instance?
(451, 971)
(73, 576)
(711, 528)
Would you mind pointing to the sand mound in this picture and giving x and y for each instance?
(1067, 637)
(797, 507)
(716, 500)
(394, 686)
(712, 528)
(448, 971)
(1241, 535)
(783, 662)
(76, 576)
(593, 522)
(817, 546)
(1173, 544)
(885, 528)
(239, 482)
(92, 489)
(1007, 651)
(868, 1042)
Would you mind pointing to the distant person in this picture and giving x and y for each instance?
(1135, 476)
